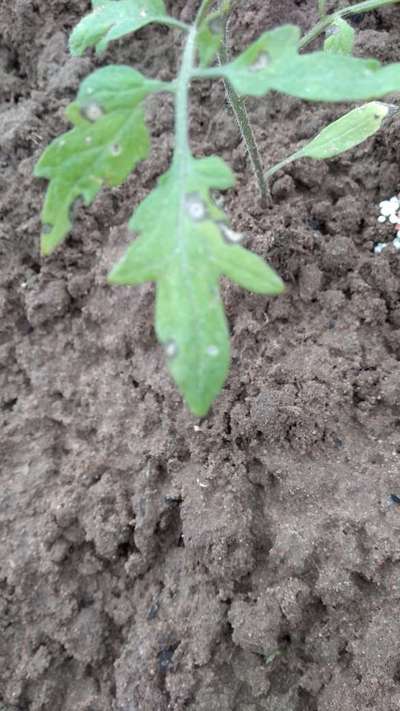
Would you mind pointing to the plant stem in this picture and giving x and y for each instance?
(356, 9)
(208, 73)
(282, 163)
(172, 22)
(182, 146)
(187, 72)
(238, 106)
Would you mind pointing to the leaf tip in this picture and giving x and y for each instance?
(113, 277)
(198, 411)
(275, 284)
(200, 406)
(75, 47)
(119, 274)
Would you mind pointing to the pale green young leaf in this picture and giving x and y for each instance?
(109, 139)
(348, 131)
(339, 37)
(341, 135)
(273, 62)
(210, 34)
(112, 19)
(185, 245)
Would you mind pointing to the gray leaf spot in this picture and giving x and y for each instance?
(260, 63)
(92, 112)
(170, 349)
(212, 351)
(228, 235)
(332, 30)
(195, 207)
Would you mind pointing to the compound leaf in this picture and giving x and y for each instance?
(273, 62)
(111, 19)
(109, 139)
(339, 37)
(185, 245)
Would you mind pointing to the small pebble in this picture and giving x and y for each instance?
(389, 209)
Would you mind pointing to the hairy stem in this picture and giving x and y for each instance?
(182, 148)
(182, 84)
(238, 106)
(327, 20)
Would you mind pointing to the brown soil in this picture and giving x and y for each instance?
(149, 561)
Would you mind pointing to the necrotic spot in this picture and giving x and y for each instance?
(171, 349)
(195, 207)
(228, 235)
(260, 63)
(92, 112)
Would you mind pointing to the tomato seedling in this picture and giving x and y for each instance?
(184, 241)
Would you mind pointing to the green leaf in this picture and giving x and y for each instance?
(327, 77)
(185, 245)
(112, 19)
(348, 131)
(273, 62)
(322, 7)
(253, 72)
(109, 139)
(117, 87)
(210, 34)
(339, 37)
(341, 135)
